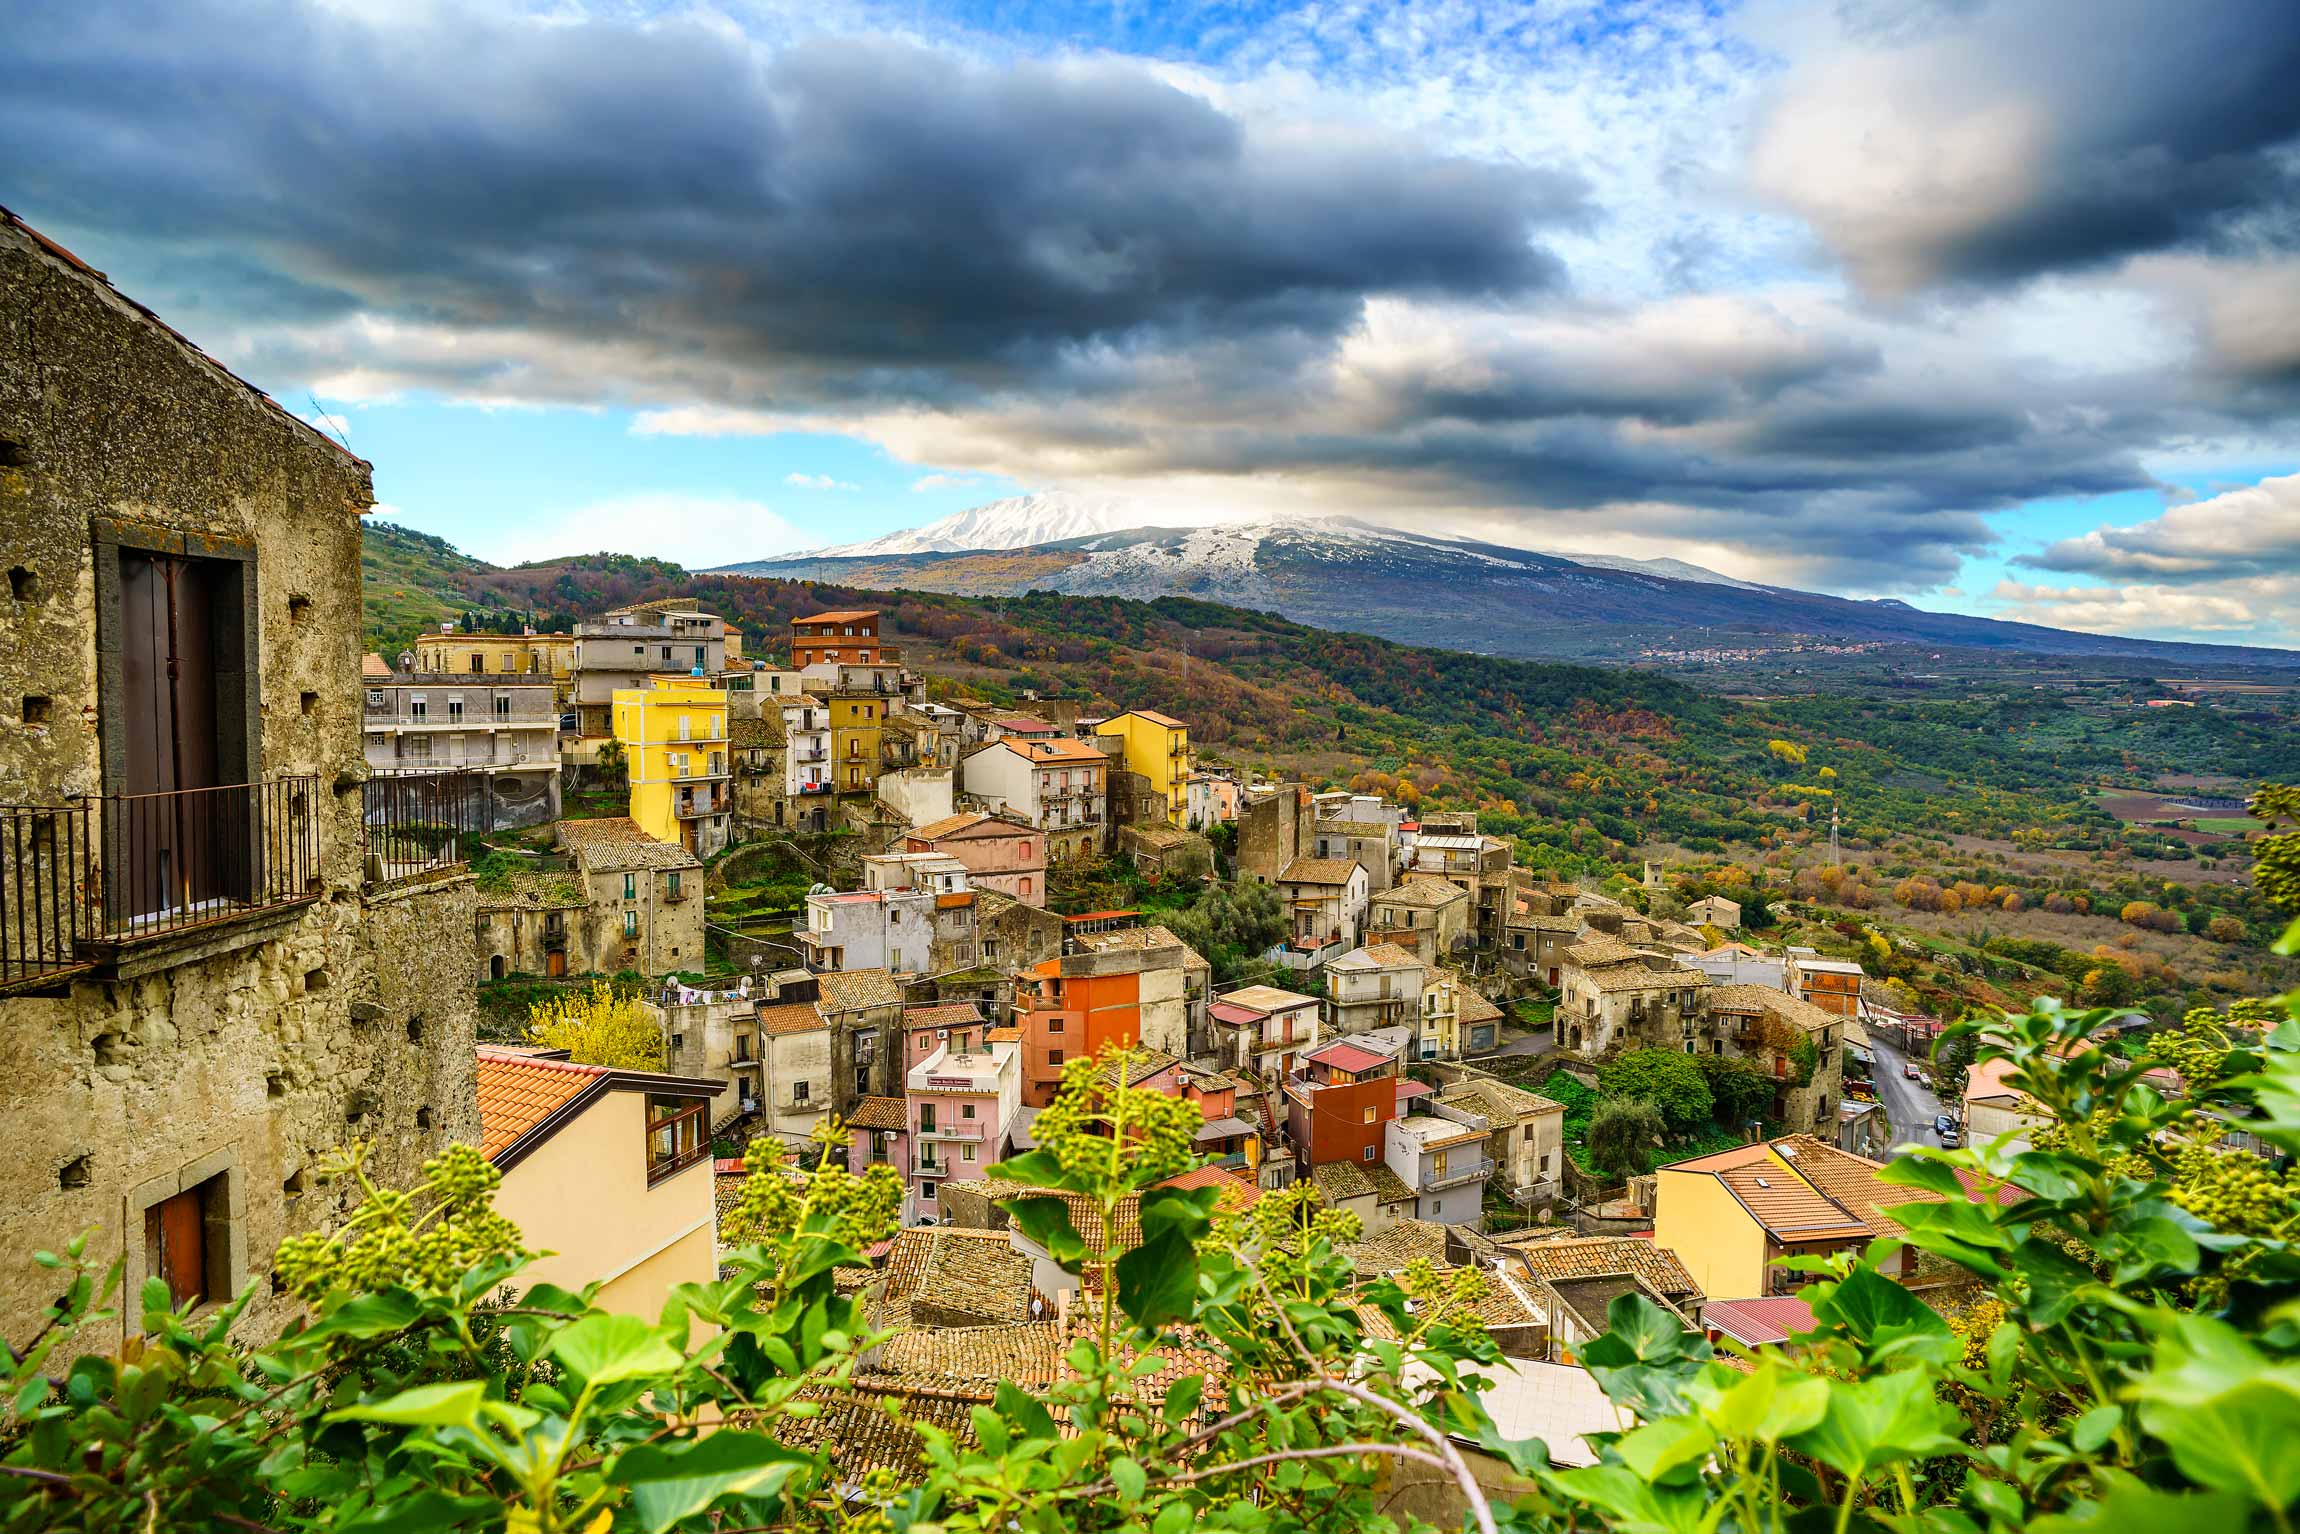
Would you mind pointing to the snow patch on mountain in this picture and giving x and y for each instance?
(1023, 521)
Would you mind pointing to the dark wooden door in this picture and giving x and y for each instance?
(172, 848)
(175, 1245)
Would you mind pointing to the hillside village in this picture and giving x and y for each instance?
(256, 883)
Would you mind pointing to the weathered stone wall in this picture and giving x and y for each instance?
(243, 1052)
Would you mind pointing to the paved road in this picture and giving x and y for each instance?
(1515, 1042)
(1910, 1105)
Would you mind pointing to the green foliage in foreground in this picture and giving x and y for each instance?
(2130, 1358)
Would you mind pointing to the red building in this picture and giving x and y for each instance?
(1337, 1105)
(850, 637)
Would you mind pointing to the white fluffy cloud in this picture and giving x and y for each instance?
(2253, 531)
(2256, 611)
(817, 482)
(696, 530)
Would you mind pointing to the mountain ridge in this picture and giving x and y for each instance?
(1459, 593)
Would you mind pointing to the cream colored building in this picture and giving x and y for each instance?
(609, 1172)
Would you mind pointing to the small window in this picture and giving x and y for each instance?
(966, 1153)
(1369, 1115)
(630, 923)
(630, 886)
(1054, 1025)
(676, 1135)
(417, 707)
(502, 706)
(674, 882)
(1367, 1154)
(799, 1091)
(966, 1110)
(926, 1191)
(1054, 1057)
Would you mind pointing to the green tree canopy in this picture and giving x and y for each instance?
(1670, 1081)
(1623, 1134)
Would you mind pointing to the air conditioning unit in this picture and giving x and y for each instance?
(942, 1035)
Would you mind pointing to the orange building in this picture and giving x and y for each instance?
(850, 637)
(1065, 1016)
(1833, 985)
(1338, 1108)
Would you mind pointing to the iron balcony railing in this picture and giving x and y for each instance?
(124, 868)
(421, 823)
(1464, 1172)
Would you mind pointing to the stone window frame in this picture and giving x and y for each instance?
(224, 1237)
(239, 696)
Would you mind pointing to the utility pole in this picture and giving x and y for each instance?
(1835, 859)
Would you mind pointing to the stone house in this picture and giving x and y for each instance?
(879, 1135)
(1715, 911)
(534, 923)
(905, 931)
(1613, 996)
(1764, 1027)
(791, 1084)
(918, 795)
(1368, 988)
(644, 897)
(1001, 852)
(1833, 985)
(202, 988)
(1427, 915)
(1371, 844)
(1012, 934)
(1274, 828)
(864, 1010)
(550, 657)
(1441, 1156)
(1081, 1003)
(1478, 864)
(714, 1036)
(755, 758)
(1526, 1141)
(1166, 852)
(1326, 907)
(504, 731)
(807, 782)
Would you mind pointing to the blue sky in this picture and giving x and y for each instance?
(1985, 307)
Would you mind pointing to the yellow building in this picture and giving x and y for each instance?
(674, 738)
(551, 655)
(607, 1171)
(857, 719)
(1158, 747)
(1734, 1217)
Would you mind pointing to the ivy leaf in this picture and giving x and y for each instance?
(1645, 1359)
(1655, 1450)
(1766, 1405)
(2132, 1504)
(605, 1349)
(2228, 1415)
(1174, 1518)
(1027, 1410)
(1883, 1421)
(369, 1315)
(1045, 1220)
(1887, 1317)
(1631, 1504)
(673, 1481)
(1158, 1280)
(450, 1405)
(2095, 1428)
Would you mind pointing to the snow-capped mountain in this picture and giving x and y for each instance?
(1450, 593)
(1022, 521)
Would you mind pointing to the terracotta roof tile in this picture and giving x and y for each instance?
(1028, 1355)
(879, 1113)
(1423, 890)
(943, 1272)
(1569, 1257)
(943, 1014)
(855, 990)
(1339, 1180)
(1318, 871)
(615, 844)
(518, 1092)
(789, 1017)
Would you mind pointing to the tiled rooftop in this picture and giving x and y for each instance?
(853, 990)
(879, 1113)
(519, 1091)
(1321, 871)
(615, 844)
(789, 1017)
(949, 1271)
(1554, 1258)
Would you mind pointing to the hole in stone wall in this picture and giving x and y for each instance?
(36, 710)
(279, 1284)
(315, 980)
(423, 1118)
(275, 1085)
(294, 1183)
(11, 454)
(107, 1047)
(310, 702)
(299, 608)
(415, 1030)
(23, 585)
(76, 1173)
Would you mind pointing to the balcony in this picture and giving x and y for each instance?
(421, 823)
(1456, 1176)
(79, 883)
(958, 1131)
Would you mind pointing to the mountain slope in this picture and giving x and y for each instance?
(1043, 516)
(1340, 574)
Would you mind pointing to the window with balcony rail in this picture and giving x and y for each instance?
(677, 1135)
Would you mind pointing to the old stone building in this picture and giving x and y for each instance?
(533, 923)
(643, 898)
(202, 989)
(1274, 828)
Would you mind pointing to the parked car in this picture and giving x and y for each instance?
(1945, 1128)
(1913, 1071)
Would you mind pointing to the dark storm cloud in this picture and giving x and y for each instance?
(1987, 144)
(836, 207)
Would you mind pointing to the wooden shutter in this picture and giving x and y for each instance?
(175, 1245)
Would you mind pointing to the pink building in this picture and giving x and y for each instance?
(954, 1025)
(879, 1130)
(1001, 852)
(961, 1112)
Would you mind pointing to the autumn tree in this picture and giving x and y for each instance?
(600, 1026)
